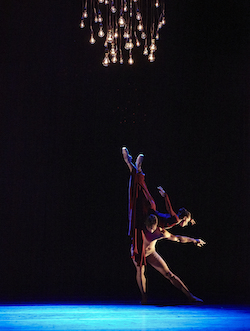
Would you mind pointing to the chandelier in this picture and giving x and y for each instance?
(124, 25)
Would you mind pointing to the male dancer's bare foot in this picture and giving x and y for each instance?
(144, 300)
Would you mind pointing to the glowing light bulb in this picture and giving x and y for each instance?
(82, 25)
(96, 19)
(157, 4)
(138, 16)
(85, 13)
(106, 60)
(121, 21)
(113, 9)
(157, 36)
(145, 51)
(151, 57)
(153, 47)
(101, 1)
(114, 59)
(100, 19)
(126, 35)
(130, 60)
(126, 46)
(92, 39)
(109, 37)
(140, 26)
(101, 32)
(160, 25)
(125, 9)
(138, 43)
(112, 51)
(116, 35)
(129, 45)
(121, 60)
(143, 35)
(106, 2)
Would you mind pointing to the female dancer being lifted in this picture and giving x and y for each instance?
(145, 229)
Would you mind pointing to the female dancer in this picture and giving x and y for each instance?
(145, 230)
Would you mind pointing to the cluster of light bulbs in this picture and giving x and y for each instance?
(124, 24)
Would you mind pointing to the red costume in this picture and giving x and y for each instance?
(141, 204)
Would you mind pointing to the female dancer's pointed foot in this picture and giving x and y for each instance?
(127, 157)
(194, 299)
(139, 161)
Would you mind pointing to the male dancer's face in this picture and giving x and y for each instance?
(152, 228)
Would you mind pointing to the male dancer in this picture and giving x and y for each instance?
(145, 231)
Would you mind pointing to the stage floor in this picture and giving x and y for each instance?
(123, 317)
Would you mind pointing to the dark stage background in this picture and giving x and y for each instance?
(64, 119)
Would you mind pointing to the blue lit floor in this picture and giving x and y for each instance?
(123, 317)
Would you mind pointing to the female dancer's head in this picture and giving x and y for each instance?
(185, 216)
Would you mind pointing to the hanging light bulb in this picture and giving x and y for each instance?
(100, 19)
(138, 15)
(109, 37)
(151, 57)
(121, 21)
(129, 24)
(82, 25)
(140, 26)
(92, 39)
(129, 45)
(106, 60)
(101, 33)
(112, 51)
(116, 35)
(114, 59)
(152, 47)
(130, 60)
(126, 35)
(85, 13)
(113, 9)
(160, 25)
(145, 51)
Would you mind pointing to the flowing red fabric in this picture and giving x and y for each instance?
(141, 203)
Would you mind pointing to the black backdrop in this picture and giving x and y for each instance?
(64, 119)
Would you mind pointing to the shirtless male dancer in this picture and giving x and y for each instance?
(151, 232)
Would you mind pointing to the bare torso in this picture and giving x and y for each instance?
(151, 239)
